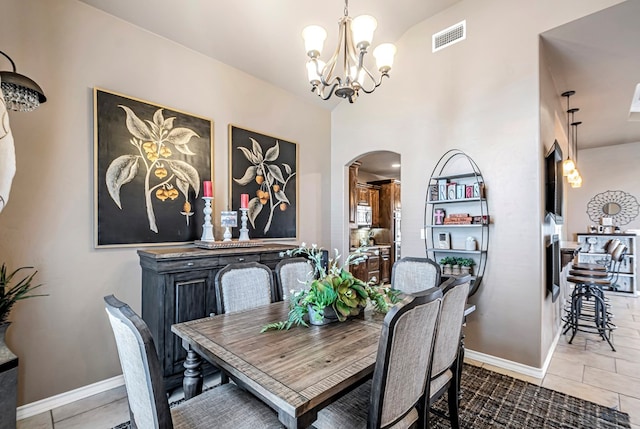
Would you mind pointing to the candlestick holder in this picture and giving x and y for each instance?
(207, 228)
(244, 231)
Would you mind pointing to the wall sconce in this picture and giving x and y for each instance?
(20, 93)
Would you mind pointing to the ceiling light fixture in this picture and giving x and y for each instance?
(570, 165)
(355, 36)
(20, 93)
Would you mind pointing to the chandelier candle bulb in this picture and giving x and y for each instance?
(244, 201)
(207, 189)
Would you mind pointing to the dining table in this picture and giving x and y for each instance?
(296, 372)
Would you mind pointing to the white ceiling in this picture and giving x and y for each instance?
(264, 37)
(598, 56)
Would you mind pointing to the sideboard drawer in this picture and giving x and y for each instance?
(224, 260)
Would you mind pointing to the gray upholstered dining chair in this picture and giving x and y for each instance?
(396, 396)
(226, 406)
(292, 274)
(448, 352)
(411, 275)
(243, 285)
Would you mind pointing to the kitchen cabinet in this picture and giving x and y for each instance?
(373, 268)
(389, 195)
(456, 218)
(385, 265)
(593, 251)
(374, 202)
(363, 194)
(353, 191)
(360, 270)
(178, 286)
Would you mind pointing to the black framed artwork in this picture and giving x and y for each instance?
(149, 165)
(264, 167)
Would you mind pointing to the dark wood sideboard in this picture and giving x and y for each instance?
(178, 286)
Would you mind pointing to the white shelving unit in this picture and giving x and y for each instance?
(592, 250)
(457, 168)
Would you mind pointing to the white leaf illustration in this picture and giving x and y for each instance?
(186, 173)
(168, 123)
(184, 188)
(249, 155)
(122, 170)
(254, 210)
(158, 119)
(272, 153)
(257, 150)
(276, 172)
(249, 175)
(136, 126)
(179, 137)
(287, 168)
(282, 197)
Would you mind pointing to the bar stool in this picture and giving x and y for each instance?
(588, 309)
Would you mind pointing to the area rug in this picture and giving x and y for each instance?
(492, 400)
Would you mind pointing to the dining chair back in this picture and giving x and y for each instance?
(411, 275)
(243, 285)
(292, 275)
(225, 406)
(447, 359)
(396, 394)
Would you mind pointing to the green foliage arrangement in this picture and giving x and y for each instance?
(9, 295)
(452, 260)
(333, 287)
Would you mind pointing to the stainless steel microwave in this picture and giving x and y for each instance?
(363, 216)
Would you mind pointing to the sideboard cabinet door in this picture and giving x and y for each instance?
(178, 285)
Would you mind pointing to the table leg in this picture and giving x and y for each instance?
(300, 422)
(193, 379)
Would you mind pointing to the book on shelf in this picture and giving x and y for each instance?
(458, 221)
(456, 215)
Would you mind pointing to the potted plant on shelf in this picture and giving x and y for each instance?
(466, 265)
(334, 294)
(446, 265)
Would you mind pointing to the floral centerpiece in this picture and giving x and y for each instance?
(333, 288)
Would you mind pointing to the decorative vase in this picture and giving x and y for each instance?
(328, 316)
(8, 382)
(455, 270)
(446, 269)
(465, 270)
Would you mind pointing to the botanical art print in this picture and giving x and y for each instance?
(265, 168)
(150, 163)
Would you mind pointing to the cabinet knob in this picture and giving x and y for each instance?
(240, 259)
(189, 264)
(212, 314)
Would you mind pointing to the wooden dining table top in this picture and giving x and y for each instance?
(297, 371)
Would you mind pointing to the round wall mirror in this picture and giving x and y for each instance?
(621, 206)
(611, 208)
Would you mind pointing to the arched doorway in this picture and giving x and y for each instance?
(374, 212)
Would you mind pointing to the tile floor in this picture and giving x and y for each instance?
(587, 369)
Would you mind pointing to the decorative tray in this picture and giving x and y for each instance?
(227, 244)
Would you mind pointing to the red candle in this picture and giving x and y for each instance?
(207, 189)
(244, 201)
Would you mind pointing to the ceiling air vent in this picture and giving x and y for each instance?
(447, 37)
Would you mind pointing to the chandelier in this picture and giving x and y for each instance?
(20, 93)
(345, 74)
(570, 165)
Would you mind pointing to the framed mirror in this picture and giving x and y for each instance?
(620, 206)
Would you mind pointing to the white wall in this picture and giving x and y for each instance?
(63, 340)
(610, 168)
(482, 96)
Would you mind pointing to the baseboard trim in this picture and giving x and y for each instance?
(47, 404)
(515, 366)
